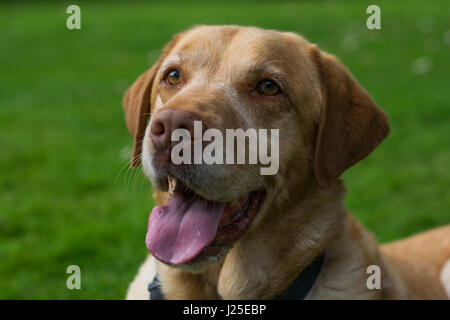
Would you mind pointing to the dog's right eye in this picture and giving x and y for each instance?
(268, 88)
(173, 77)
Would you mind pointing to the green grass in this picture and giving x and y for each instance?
(63, 196)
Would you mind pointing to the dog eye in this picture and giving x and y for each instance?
(173, 77)
(268, 88)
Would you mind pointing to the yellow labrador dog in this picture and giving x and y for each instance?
(225, 231)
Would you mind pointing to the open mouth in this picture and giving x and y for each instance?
(190, 225)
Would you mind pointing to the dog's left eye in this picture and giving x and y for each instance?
(268, 88)
(173, 77)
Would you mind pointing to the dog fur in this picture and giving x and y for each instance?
(329, 122)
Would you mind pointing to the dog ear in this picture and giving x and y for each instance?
(136, 103)
(351, 124)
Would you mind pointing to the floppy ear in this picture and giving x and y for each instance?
(351, 124)
(136, 103)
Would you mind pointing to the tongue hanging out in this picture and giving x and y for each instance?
(178, 231)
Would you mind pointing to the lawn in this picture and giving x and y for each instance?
(66, 193)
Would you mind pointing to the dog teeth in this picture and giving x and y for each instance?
(172, 184)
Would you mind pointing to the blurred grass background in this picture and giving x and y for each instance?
(66, 194)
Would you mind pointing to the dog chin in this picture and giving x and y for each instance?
(201, 263)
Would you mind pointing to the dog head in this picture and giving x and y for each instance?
(299, 100)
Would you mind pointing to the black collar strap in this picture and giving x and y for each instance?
(298, 290)
(301, 286)
(155, 290)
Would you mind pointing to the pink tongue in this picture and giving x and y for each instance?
(178, 231)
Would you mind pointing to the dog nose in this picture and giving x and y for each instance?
(169, 120)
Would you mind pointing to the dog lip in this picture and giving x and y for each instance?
(246, 213)
(182, 183)
(228, 234)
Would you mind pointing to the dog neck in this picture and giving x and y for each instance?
(270, 258)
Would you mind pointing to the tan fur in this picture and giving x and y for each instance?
(328, 122)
